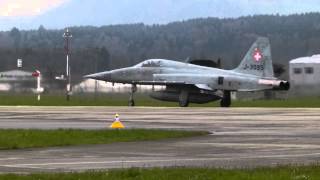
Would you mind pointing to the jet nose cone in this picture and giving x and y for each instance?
(105, 76)
(91, 76)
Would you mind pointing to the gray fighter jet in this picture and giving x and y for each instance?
(188, 83)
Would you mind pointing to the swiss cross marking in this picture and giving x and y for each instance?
(257, 55)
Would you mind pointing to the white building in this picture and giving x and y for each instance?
(16, 76)
(16, 80)
(305, 75)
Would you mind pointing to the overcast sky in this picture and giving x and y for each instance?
(53, 14)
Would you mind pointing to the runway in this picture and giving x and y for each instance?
(240, 137)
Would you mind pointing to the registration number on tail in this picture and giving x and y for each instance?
(253, 67)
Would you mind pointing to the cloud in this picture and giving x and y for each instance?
(21, 8)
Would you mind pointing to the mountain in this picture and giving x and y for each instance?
(106, 12)
(108, 47)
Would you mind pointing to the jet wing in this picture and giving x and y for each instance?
(159, 82)
(199, 81)
(184, 78)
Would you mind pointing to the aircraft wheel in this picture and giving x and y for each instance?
(184, 99)
(183, 103)
(226, 100)
(224, 103)
(131, 103)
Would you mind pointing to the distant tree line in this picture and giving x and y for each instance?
(102, 48)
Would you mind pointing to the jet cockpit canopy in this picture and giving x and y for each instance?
(151, 63)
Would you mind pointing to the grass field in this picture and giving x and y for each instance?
(141, 100)
(19, 138)
(278, 173)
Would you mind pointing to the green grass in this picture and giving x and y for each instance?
(79, 100)
(19, 138)
(277, 173)
(141, 100)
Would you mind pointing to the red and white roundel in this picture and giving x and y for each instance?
(257, 55)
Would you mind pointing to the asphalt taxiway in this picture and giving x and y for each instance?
(240, 137)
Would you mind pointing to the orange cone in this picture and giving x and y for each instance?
(117, 123)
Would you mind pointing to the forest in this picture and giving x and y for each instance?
(102, 48)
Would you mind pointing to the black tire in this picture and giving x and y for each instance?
(224, 103)
(184, 103)
(131, 103)
(184, 99)
(226, 100)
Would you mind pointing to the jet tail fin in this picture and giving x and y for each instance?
(258, 60)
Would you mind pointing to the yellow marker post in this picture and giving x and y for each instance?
(117, 123)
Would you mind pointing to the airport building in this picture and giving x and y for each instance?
(305, 75)
(16, 80)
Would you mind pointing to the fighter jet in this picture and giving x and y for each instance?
(188, 83)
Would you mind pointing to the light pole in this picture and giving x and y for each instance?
(67, 36)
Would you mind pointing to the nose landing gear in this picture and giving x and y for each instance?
(131, 102)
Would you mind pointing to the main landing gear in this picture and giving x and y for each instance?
(226, 99)
(133, 90)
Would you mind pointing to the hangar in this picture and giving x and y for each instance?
(305, 75)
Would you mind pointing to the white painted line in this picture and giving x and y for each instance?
(38, 165)
(108, 162)
(8, 159)
(256, 145)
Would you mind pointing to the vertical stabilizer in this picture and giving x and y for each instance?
(258, 60)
